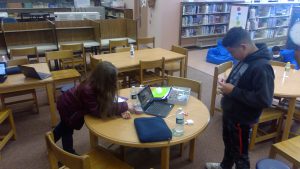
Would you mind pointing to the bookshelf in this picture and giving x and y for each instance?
(112, 13)
(203, 23)
(269, 22)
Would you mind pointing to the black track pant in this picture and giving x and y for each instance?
(236, 141)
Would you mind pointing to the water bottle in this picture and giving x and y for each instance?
(131, 51)
(179, 129)
(3, 59)
(287, 67)
(133, 93)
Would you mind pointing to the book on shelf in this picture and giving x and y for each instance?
(179, 95)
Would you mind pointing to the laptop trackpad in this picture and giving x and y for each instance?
(159, 109)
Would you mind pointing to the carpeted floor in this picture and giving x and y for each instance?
(29, 150)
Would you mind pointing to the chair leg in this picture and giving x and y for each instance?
(253, 136)
(2, 101)
(36, 102)
(12, 124)
(294, 166)
(279, 129)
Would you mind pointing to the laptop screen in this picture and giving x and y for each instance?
(2, 68)
(145, 97)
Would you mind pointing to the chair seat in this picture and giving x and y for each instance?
(102, 159)
(270, 114)
(271, 164)
(173, 66)
(65, 75)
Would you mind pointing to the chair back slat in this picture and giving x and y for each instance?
(56, 154)
(222, 68)
(18, 52)
(184, 82)
(117, 43)
(145, 41)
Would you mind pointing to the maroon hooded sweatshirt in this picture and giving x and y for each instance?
(79, 101)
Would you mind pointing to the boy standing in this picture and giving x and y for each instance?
(247, 91)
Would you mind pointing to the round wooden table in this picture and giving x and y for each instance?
(287, 85)
(122, 132)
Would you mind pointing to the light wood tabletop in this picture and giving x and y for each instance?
(122, 132)
(124, 62)
(287, 84)
(289, 149)
(19, 82)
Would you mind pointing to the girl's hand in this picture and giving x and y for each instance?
(126, 115)
(131, 108)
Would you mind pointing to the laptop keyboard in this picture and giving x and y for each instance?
(44, 75)
(159, 108)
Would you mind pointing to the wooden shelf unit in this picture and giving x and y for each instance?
(79, 31)
(203, 23)
(272, 22)
(49, 35)
(40, 34)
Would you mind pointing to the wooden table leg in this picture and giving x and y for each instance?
(192, 150)
(272, 153)
(49, 88)
(182, 67)
(289, 119)
(165, 157)
(123, 151)
(93, 140)
(185, 66)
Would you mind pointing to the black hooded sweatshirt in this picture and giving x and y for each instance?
(253, 79)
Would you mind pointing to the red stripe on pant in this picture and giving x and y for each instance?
(240, 138)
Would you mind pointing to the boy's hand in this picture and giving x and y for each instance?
(126, 115)
(225, 88)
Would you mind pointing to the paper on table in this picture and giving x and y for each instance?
(122, 99)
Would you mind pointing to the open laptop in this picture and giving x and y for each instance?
(152, 106)
(31, 72)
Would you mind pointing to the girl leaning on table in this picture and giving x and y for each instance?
(95, 96)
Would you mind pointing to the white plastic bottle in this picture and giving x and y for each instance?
(287, 67)
(131, 51)
(179, 129)
(3, 59)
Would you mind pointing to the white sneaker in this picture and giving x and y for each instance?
(213, 166)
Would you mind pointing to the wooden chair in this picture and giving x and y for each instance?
(145, 41)
(7, 114)
(117, 43)
(79, 56)
(184, 82)
(272, 115)
(4, 96)
(59, 57)
(281, 64)
(172, 67)
(28, 52)
(97, 158)
(148, 77)
(220, 69)
(60, 75)
(289, 149)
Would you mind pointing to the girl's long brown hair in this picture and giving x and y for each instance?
(103, 79)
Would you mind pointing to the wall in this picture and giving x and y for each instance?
(163, 23)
